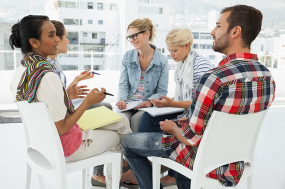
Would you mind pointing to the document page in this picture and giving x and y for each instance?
(131, 105)
(154, 111)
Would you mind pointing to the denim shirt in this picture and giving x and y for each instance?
(155, 79)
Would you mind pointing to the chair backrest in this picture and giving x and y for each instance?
(228, 138)
(42, 135)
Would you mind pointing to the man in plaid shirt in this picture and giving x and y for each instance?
(239, 85)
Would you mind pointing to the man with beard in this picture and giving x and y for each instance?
(239, 85)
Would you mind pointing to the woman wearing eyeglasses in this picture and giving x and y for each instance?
(144, 71)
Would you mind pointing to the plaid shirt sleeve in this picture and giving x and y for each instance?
(208, 90)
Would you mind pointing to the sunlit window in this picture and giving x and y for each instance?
(195, 35)
(66, 4)
(113, 7)
(67, 21)
(73, 37)
(70, 50)
(100, 6)
(94, 35)
(90, 5)
(205, 36)
(93, 49)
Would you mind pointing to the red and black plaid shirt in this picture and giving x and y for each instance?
(239, 85)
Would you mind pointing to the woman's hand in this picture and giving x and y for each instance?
(77, 91)
(182, 121)
(145, 104)
(95, 96)
(121, 104)
(84, 75)
(163, 102)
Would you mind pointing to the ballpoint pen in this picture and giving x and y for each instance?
(108, 94)
(92, 72)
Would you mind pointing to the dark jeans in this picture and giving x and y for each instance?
(151, 124)
(137, 147)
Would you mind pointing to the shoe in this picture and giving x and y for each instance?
(97, 183)
(164, 184)
(129, 185)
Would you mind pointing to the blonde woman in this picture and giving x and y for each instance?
(144, 71)
(190, 66)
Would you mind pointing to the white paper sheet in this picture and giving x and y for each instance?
(131, 105)
(154, 111)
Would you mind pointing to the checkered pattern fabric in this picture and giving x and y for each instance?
(239, 85)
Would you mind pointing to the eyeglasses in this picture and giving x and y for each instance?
(134, 36)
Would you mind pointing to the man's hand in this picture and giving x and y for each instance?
(168, 126)
(182, 121)
(75, 91)
(145, 104)
(95, 96)
(84, 75)
(121, 104)
(163, 102)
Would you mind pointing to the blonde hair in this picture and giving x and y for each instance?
(179, 37)
(144, 25)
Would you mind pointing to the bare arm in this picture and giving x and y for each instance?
(95, 96)
(169, 102)
(83, 76)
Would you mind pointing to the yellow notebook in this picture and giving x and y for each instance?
(98, 117)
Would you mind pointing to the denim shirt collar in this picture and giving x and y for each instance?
(155, 58)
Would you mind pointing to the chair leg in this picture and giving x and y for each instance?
(250, 182)
(83, 178)
(62, 182)
(28, 177)
(88, 171)
(156, 175)
(41, 182)
(116, 174)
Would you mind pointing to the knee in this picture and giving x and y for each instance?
(115, 138)
(124, 143)
(128, 140)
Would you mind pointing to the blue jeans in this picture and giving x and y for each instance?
(151, 124)
(137, 147)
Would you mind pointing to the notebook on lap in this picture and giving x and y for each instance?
(98, 117)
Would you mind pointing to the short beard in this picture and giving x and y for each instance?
(222, 43)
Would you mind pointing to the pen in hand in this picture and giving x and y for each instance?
(108, 94)
(92, 72)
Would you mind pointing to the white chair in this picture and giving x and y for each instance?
(45, 154)
(228, 138)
